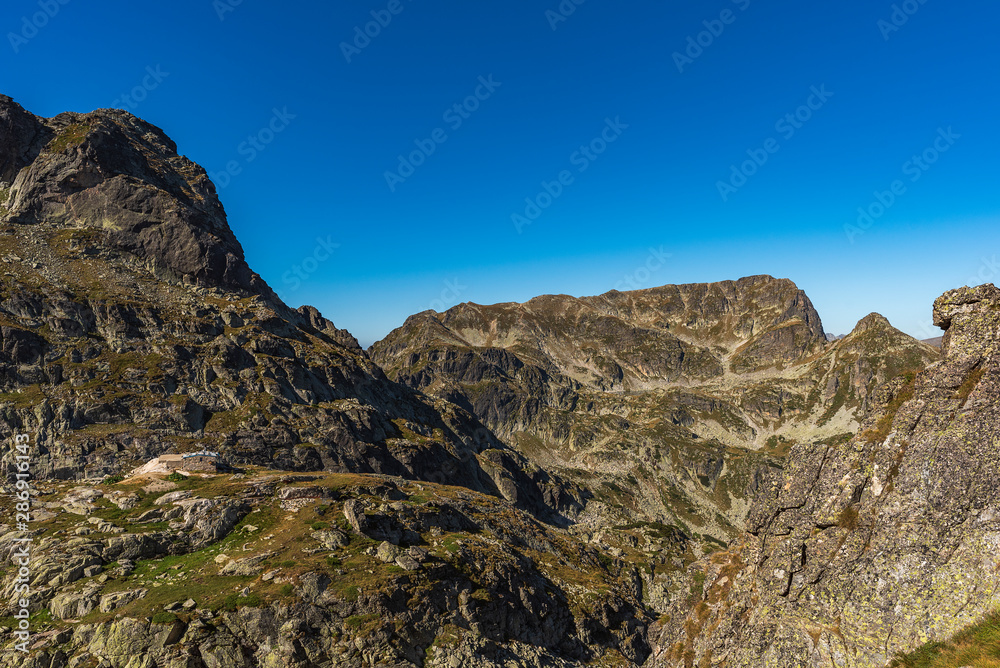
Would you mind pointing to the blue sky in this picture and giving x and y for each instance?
(637, 145)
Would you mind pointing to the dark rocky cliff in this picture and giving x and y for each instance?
(112, 172)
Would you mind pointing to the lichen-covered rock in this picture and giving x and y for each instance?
(81, 500)
(331, 539)
(124, 501)
(246, 566)
(132, 547)
(110, 602)
(76, 604)
(172, 497)
(388, 552)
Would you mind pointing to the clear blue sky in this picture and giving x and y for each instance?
(448, 229)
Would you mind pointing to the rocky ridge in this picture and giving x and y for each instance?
(668, 403)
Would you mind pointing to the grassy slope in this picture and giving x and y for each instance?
(977, 647)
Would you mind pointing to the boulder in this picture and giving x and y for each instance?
(116, 600)
(247, 566)
(331, 539)
(387, 552)
(375, 525)
(75, 604)
(172, 497)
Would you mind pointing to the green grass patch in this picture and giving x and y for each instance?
(235, 601)
(969, 385)
(697, 590)
(361, 623)
(72, 135)
(451, 544)
(164, 617)
(977, 645)
(25, 398)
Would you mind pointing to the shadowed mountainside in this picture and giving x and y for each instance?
(132, 326)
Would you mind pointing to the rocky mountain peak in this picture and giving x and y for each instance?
(129, 312)
(18, 133)
(114, 173)
(871, 321)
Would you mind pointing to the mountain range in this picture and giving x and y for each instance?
(678, 476)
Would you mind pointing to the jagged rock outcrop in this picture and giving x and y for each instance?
(619, 340)
(112, 172)
(858, 551)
